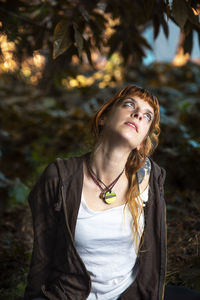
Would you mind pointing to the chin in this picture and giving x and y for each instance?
(128, 142)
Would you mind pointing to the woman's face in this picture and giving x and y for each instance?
(130, 119)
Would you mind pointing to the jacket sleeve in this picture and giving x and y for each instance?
(42, 200)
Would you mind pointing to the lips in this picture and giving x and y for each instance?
(132, 125)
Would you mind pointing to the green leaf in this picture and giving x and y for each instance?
(87, 46)
(148, 7)
(179, 11)
(156, 26)
(97, 33)
(188, 43)
(3, 180)
(114, 42)
(62, 40)
(167, 9)
(198, 33)
(141, 42)
(18, 193)
(78, 39)
(165, 27)
(99, 20)
(84, 13)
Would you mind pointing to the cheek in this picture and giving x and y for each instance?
(146, 131)
(113, 118)
(148, 127)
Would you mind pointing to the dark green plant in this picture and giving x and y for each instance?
(64, 29)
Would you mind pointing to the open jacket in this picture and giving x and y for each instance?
(57, 271)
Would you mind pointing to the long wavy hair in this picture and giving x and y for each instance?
(136, 158)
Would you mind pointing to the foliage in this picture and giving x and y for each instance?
(16, 235)
(43, 127)
(183, 238)
(67, 29)
(36, 128)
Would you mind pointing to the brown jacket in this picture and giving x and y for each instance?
(57, 271)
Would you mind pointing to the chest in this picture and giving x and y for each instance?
(93, 195)
(103, 229)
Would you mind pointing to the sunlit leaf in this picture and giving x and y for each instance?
(62, 39)
(194, 19)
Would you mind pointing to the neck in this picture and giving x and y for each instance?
(108, 162)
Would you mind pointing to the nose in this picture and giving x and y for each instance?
(137, 114)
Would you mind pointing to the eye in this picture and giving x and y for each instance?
(129, 104)
(148, 116)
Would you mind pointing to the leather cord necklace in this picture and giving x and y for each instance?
(106, 194)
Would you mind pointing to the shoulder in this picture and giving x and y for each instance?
(150, 169)
(67, 166)
(46, 189)
(55, 171)
(144, 171)
(143, 175)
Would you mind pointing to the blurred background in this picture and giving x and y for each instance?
(59, 61)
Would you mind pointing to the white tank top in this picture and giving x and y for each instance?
(104, 241)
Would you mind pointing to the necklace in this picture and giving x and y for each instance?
(106, 194)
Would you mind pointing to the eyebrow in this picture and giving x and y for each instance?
(135, 101)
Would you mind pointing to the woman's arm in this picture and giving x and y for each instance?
(42, 200)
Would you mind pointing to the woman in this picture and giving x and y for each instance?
(99, 219)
